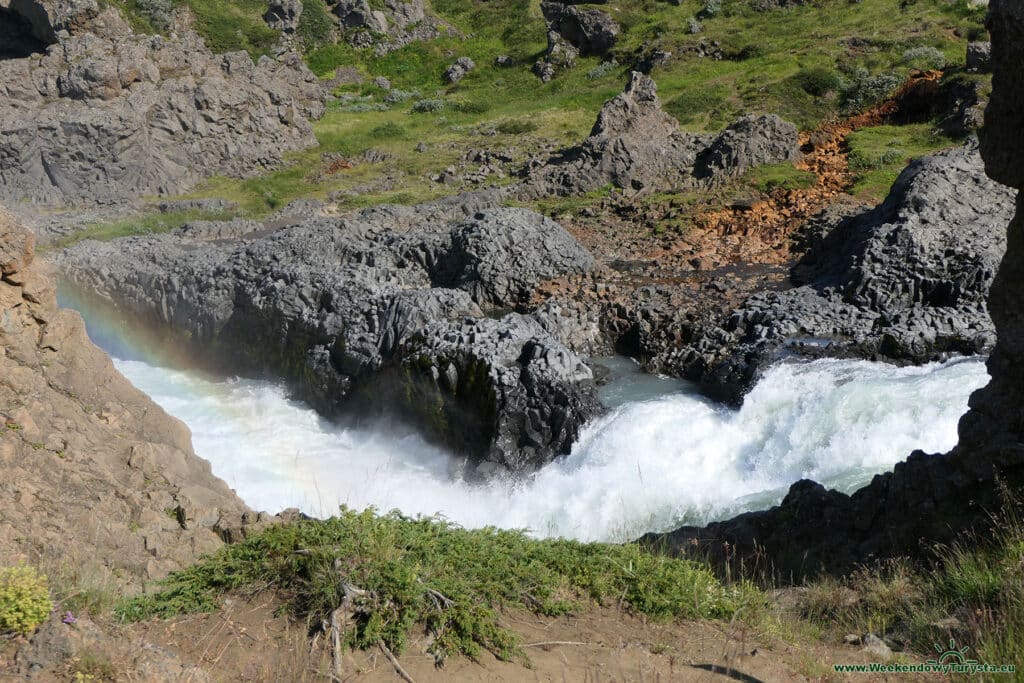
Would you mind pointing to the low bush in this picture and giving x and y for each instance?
(24, 600)
(403, 572)
(818, 80)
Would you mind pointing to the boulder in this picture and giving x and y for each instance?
(284, 15)
(362, 313)
(906, 280)
(927, 499)
(636, 145)
(592, 32)
(461, 67)
(559, 56)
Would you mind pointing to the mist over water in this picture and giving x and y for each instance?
(663, 456)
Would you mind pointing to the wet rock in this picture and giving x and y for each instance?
(351, 311)
(906, 280)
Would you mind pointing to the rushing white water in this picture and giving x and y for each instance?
(648, 465)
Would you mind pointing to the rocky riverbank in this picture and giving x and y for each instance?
(932, 497)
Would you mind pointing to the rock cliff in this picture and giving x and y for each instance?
(95, 475)
(92, 113)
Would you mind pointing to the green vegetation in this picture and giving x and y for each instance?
(784, 176)
(24, 600)
(878, 155)
(974, 592)
(145, 224)
(450, 580)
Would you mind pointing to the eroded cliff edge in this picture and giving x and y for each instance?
(95, 473)
(927, 498)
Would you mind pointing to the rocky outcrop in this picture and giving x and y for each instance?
(95, 475)
(928, 498)
(906, 280)
(635, 145)
(381, 311)
(284, 15)
(591, 31)
(559, 56)
(104, 115)
(392, 27)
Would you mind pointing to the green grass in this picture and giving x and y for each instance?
(802, 55)
(785, 176)
(144, 224)
(878, 155)
(450, 580)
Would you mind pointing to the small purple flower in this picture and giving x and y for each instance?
(69, 618)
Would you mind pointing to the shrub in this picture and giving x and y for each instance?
(315, 25)
(427, 106)
(388, 131)
(448, 579)
(602, 70)
(472, 107)
(712, 8)
(694, 26)
(862, 89)
(924, 58)
(516, 127)
(158, 13)
(818, 80)
(24, 599)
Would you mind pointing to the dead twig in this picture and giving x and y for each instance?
(551, 643)
(394, 662)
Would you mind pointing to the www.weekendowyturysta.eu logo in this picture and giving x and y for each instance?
(951, 659)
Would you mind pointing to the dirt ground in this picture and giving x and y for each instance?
(249, 641)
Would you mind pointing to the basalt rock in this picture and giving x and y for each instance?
(105, 115)
(592, 32)
(385, 310)
(928, 498)
(906, 280)
(284, 15)
(394, 26)
(635, 145)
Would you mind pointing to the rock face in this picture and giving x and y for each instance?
(284, 15)
(394, 26)
(906, 280)
(592, 32)
(385, 310)
(635, 145)
(95, 474)
(929, 497)
(106, 115)
(979, 56)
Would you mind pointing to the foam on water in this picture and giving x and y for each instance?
(647, 465)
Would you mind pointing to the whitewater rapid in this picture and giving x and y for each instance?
(663, 457)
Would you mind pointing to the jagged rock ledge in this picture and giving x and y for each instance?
(395, 309)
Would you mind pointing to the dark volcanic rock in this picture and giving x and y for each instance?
(906, 280)
(592, 32)
(382, 310)
(284, 15)
(928, 498)
(109, 115)
(636, 145)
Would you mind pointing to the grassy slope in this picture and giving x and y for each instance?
(425, 573)
(769, 55)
